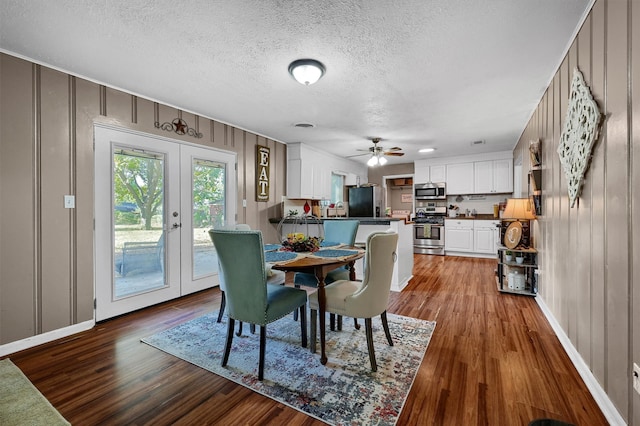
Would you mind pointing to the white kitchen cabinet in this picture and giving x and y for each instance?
(299, 186)
(458, 235)
(493, 176)
(438, 173)
(321, 182)
(503, 175)
(460, 179)
(424, 174)
(484, 236)
(309, 172)
(421, 174)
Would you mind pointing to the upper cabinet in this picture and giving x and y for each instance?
(494, 176)
(424, 173)
(309, 172)
(490, 173)
(460, 179)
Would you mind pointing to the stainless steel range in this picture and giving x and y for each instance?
(428, 230)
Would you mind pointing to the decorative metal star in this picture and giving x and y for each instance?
(180, 126)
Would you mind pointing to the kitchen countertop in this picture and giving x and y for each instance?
(363, 220)
(480, 216)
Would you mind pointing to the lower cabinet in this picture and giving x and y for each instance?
(458, 235)
(485, 233)
(476, 237)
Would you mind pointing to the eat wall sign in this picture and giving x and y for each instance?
(262, 173)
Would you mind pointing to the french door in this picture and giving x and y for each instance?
(155, 200)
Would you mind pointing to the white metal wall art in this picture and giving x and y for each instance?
(580, 131)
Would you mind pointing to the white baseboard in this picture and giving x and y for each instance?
(470, 254)
(602, 399)
(47, 337)
(401, 285)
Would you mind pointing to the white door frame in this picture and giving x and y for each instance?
(176, 179)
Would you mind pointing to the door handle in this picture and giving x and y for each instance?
(176, 225)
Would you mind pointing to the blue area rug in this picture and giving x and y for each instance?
(343, 392)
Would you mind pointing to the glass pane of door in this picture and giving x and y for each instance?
(208, 208)
(138, 219)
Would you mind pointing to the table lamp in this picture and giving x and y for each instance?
(521, 210)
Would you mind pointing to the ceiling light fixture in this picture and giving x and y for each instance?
(376, 159)
(306, 71)
(423, 150)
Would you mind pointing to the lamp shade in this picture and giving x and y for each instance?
(306, 71)
(518, 208)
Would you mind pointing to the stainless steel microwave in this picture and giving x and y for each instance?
(430, 191)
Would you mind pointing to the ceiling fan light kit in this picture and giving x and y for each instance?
(306, 71)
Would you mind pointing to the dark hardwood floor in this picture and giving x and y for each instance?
(493, 360)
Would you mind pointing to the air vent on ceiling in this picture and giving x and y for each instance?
(304, 125)
(478, 143)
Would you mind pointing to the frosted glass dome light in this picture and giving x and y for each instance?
(306, 71)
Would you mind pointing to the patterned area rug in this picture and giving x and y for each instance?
(343, 392)
(21, 403)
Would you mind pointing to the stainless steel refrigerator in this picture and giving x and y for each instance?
(365, 201)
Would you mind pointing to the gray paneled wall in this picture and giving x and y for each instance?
(588, 252)
(46, 151)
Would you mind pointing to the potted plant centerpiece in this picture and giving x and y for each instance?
(298, 242)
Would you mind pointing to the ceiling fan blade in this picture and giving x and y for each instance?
(395, 148)
(394, 154)
(358, 155)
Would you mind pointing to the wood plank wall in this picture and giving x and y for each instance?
(46, 151)
(588, 252)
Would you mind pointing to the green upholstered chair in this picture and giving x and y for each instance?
(249, 297)
(335, 232)
(273, 277)
(367, 298)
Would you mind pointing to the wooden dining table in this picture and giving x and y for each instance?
(320, 266)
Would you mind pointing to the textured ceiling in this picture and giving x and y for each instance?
(416, 73)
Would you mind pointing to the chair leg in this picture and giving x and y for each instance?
(355, 323)
(223, 303)
(239, 333)
(332, 322)
(314, 326)
(372, 355)
(252, 328)
(263, 342)
(385, 325)
(295, 313)
(227, 346)
(303, 324)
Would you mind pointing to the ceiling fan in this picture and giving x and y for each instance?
(377, 153)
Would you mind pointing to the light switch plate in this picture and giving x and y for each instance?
(69, 201)
(636, 377)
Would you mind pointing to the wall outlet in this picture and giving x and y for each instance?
(636, 377)
(69, 202)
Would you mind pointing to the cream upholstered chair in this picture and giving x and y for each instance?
(364, 299)
(273, 277)
(249, 297)
(336, 231)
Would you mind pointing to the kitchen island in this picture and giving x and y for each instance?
(403, 268)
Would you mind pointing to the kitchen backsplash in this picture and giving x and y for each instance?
(482, 203)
